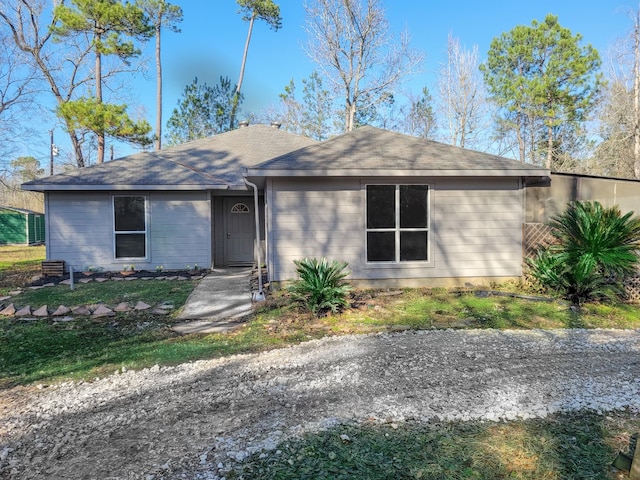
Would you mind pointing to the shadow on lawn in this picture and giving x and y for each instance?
(558, 447)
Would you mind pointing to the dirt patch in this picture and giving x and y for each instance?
(199, 418)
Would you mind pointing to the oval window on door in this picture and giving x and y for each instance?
(240, 208)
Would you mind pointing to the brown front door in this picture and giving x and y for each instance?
(239, 226)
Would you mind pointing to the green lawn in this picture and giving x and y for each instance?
(559, 447)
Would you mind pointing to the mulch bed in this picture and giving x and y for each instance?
(189, 274)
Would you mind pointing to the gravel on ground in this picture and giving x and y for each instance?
(198, 419)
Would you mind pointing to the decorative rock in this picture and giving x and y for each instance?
(101, 279)
(142, 306)
(182, 278)
(64, 319)
(122, 307)
(161, 278)
(49, 284)
(81, 310)
(2, 299)
(146, 278)
(160, 311)
(15, 292)
(37, 287)
(41, 312)
(172, 278)
(61, 310)
(65, 282)
(117, 279)
(85, 280)
(103, 311)
(8, 310)
(24, 311)
(128, 279)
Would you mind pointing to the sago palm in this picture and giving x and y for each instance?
(321, 285)
(595, 249)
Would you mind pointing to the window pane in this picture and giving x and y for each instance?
(413, 206)
(381, 246)
(381, 206)
(130, 245)
(413, 246)
(129, 214)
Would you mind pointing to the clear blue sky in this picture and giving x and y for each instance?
(213, 36)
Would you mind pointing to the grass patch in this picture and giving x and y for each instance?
(18, 263)
(37, 351)
(109, 293)
(43, 351)
(561, 446)
(375, 311)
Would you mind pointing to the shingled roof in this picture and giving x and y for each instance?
(370, 151)
(216, 162)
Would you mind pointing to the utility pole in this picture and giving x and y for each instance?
(53, 151)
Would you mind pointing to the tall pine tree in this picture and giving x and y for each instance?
(543, 79)
(111, 26)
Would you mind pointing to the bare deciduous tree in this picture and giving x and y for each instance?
(60, 67)
(619, 115)
(461, 91)
(18, 87)
(351, 43)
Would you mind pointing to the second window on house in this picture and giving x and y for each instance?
(130, 226)
(397, 223)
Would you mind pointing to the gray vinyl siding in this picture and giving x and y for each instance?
(180, 229)
(475, 230)
(313, 218)
(80, 229)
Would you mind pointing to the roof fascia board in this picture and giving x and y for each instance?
(253, 172)
(42, 187)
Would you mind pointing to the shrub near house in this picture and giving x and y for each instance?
(595, 250)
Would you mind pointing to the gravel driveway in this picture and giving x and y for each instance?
(196, 419)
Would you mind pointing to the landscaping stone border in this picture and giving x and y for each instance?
(63, 313)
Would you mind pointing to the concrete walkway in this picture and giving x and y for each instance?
(220, 302)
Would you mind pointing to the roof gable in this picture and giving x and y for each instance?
(373, 151)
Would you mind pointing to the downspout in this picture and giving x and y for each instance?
(259, 295)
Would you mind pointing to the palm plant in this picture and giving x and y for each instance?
(595, 250)
(321, 285)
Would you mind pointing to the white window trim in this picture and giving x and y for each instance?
(146, 228)
(397, 263)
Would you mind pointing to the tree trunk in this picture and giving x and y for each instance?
(100, 134)
(636, 99)
(77, 148)
(549, 145)
(521, 142)
(350, 116)
(236, 97)
(158, 88)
